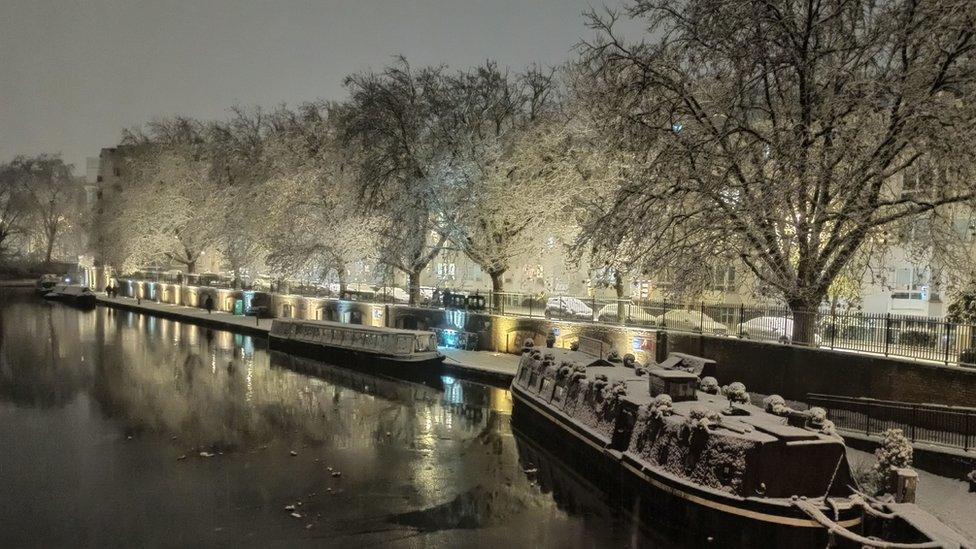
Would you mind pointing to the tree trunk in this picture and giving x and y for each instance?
(413, 286)
(497, 287)
(191, 266)
(804, 312)
(341, 275)
(618, 286)
(49, 251)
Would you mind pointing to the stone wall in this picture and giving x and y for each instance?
(788, 370)
(793, 371)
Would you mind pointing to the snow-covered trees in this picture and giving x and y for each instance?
(397, 127)
(13, 207)
(38, 195)
(174, 202)
(314, 223)
(779, 131)
(495, 206)
(775, 135)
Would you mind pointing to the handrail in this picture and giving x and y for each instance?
(944, 425)
(876, 401)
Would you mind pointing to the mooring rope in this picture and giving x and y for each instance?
(832, 527)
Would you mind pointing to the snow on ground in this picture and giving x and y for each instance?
(946, 498)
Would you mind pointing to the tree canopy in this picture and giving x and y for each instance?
(779, 133)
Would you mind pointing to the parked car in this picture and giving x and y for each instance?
(634, 315)
(690, 321)
(770, 328)
(394, 293)
(568, 307)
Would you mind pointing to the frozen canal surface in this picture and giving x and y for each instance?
(99, 408)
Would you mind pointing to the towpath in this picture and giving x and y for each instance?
(498, 366)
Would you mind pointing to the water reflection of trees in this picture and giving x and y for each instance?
(44, 355)
(215, 388)
(452, 439)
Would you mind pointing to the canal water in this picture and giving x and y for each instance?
(120, 429)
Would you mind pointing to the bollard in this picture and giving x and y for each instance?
(906, 483)
(661, 346)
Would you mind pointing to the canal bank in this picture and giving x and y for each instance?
(491, 367)
(789, 370)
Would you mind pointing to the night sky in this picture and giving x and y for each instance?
(73, 74)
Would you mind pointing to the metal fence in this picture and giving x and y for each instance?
(931, 423)
(915, 337)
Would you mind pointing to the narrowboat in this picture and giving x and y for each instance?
(46, 283)
(73, 294)
(736, 475)
(355, 343)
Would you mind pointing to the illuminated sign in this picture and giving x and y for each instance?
(643, 344)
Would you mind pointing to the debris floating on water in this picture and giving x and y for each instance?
(296, 515)
(181, 458)
(206, 454)
(293, 453)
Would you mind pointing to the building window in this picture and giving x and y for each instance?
(910, 278)
(723, 279)
(446, 270)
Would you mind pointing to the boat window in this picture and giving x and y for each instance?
(404, 344)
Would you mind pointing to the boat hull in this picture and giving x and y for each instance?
(82, 301)
(363, 360)
(699, 516)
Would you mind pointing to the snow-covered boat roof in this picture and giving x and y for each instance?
(354, 327)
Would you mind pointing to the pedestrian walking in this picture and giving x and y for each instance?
(209, 304)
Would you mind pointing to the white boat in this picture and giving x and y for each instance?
(75, 294)
(362, 344)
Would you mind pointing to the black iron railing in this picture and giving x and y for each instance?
(905, 336)
(952, 426)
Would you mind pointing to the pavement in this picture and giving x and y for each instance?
(497, 366)
(502, 365)
(196, 315)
